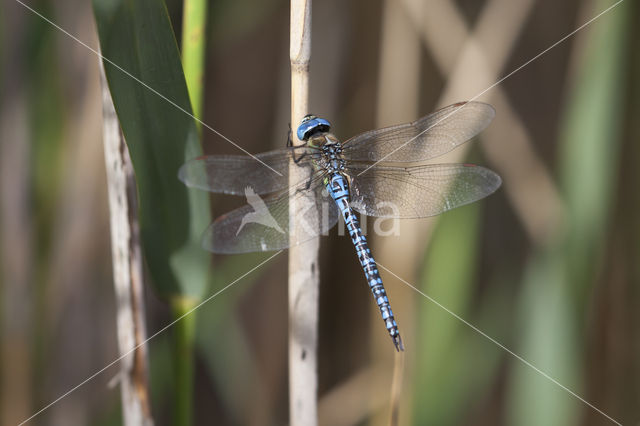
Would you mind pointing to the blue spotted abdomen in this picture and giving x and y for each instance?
(338, 188)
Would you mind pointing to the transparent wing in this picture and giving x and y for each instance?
(231, 174)
(426, 138)
(263, 225)
(420, 191)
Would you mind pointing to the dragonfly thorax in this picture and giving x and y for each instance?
(331, 158)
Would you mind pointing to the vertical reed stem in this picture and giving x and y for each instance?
(127, 267)
(183, 362)
(194, 16)
(303, 259)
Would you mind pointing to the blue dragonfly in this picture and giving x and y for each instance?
(376, 173)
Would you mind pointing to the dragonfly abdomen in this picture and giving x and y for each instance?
(338, 188)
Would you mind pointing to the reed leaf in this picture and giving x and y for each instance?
(559, 280)
(153, 107)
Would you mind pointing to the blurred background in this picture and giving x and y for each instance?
(545, 271)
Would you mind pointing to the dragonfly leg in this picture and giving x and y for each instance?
(304, 154)
(292, 146)
(289, 140)
(307, 185)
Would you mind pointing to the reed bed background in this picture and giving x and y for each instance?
(547, 267)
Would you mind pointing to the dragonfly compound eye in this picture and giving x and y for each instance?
(311, 125)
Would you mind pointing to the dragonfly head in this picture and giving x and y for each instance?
(311, 125)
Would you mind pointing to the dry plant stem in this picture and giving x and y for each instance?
(405, 23)
(127, 267)
(483, 54)
(303, 259)
(353, 400)
(398, 101)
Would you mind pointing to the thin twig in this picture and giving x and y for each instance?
(127, 267)
(303, 259)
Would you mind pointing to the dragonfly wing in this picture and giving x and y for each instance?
(232, 174)
(420, 191)
(429, 137)
(263, 225)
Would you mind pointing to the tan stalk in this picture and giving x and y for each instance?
(303, 259)
(398, 101)
(480, 57)
(457, 52)
(127, 267)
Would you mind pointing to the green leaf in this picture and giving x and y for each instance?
(151, 99)
(194, 14)
(458, 363)
(559, 280)
(590, 141)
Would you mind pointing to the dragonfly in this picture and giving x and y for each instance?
(380, 173)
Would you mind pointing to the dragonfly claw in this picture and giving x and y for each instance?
(398, 342)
